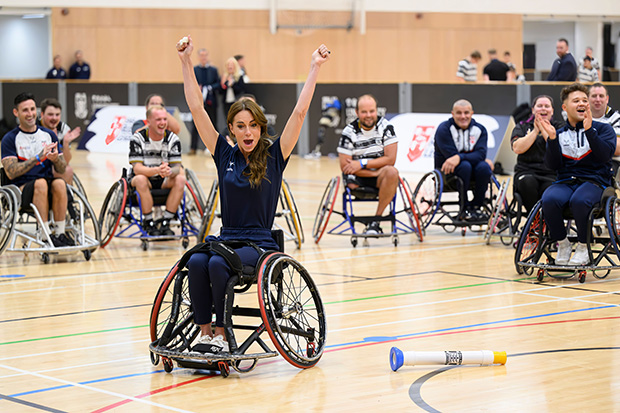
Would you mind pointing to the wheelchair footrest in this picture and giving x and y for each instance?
(555, 267)
(202, 357)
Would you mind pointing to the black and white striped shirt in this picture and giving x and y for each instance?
(153, 153)
(467, 70)
(587, 75)
(363, 144)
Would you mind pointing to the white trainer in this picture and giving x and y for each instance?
(565, 250)
(581, 256)
(219, 341)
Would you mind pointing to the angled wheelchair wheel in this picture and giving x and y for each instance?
(82, 222)
(512, 221)
(193, 210)
(78, 185)
(8, 216)
(612, 218)
(291, 213)
(326, 206)
(291, 309)
(498, 211)
(196, 188)
(171, 321)
(112, 211)
(209, 212)
(411, 209)
(531, 240)
(427, 196)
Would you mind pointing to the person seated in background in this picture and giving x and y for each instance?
(56, 72)
(602, 112)
(367, 153)
(461, 149)
(155, 157)
(30, 155)
(581, 153)
(529, 141)
(156, 100)
(50, 119)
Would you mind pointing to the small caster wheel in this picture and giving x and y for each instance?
(582, 277)
(168, 366)
(463, 231)
(540, 276)
(185, 242)
(354, 242)
(45, 257)
(224, 368)
(395, 241)
(87, 255)
(145, 245)
(154, 358)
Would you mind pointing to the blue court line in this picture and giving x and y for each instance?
(85, 382)
(365, 340)
(388, 338)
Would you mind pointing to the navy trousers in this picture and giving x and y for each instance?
(480, 173)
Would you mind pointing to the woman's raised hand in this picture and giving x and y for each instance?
(320, 55)
(185, 46)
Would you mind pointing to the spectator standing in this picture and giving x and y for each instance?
(241, 60)
(587, 73)
(232, 84)
(595, 63)
(495, 70)
(209, 81)
(56, 72)
(512, 69)
(80, 69)
(468, 68)
(564, 68)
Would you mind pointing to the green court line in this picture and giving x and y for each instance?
(333, 302)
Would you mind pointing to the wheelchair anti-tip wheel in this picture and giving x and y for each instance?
(112, 211)
(427, 196)
(291, 309)
(326, 206)
(531, 240)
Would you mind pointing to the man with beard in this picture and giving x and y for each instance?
(564, 68)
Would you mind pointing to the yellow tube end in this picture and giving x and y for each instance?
(499, 357)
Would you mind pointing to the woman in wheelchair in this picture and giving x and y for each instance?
(581, 153)
(529, 141)
(250, 176)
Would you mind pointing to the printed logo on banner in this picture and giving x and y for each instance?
(421, 137)
(115, 129)
(81, 105)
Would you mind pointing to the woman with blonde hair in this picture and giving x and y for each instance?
(232, 83)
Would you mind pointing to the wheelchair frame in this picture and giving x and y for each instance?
(290, 310)
(505, 218)
(428, 194)
(25, 231)
(119, 211)
(347, 226)
(535, 251)
(288, 210)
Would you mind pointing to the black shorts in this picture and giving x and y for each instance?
(156, 181)
(360, 181)
(28, 192)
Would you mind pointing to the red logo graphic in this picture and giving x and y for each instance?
(115, 129)
(421, 136)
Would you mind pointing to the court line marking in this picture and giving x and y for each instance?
(72, 350)
(82, 386)
(30, 404)
(99, 363)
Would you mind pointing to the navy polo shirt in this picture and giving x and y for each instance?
(248, 213)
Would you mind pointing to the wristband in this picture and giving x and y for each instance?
(363, 163)
(38, 159)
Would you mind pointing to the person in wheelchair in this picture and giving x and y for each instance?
(529, 141)
(250, 176)
(367, 153)
(461, 150)
(50, 119)
(30, 156)
(155, 157)
(581, 152)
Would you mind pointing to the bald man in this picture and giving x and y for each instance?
(461, 150)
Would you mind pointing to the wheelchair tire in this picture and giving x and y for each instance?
(87, 232)
(196, 188)
(291, 309)
(612, 218)
(78, 185)
(8, 216)
(513, 219)
(192, 211)
(498, 211)
(427, 196)
(293, 221)
(209, 212)
(326, 207)
(531, 240)
(411, 209)
(112, 211)
(171, 320)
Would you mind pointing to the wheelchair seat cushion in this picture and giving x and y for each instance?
(365, 192)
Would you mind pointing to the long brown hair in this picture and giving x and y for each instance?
(257, 160)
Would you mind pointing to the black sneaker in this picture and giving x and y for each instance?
(56, 241)
(479, 215)
(164, 227)
(373, 229)
(149, 226)
(66, 239)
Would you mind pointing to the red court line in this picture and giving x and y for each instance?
(374, 343)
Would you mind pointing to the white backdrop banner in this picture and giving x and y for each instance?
(110, 129)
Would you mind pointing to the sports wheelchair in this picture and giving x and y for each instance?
(505, 217)
(536, 252)
(290, 310)
(121, 212)
(22, 228)
(447, 213)
(287, 210)
(366, 194)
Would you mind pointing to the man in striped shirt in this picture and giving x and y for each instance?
(587, 73)
(367, 153)
(602, 112)
(468, 68)
(155, 157)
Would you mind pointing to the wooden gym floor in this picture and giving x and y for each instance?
(74, 334)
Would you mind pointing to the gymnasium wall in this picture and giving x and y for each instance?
(137, 45)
